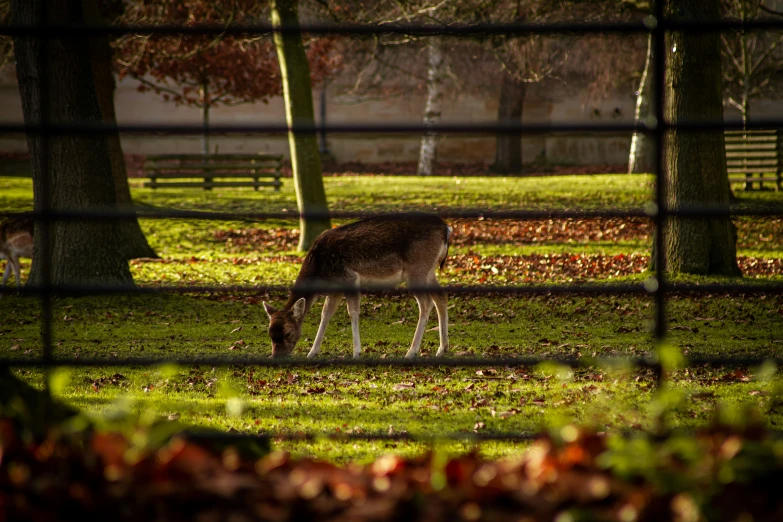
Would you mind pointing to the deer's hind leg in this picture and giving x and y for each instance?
(425, 308)
(352, 301)
(440, 301)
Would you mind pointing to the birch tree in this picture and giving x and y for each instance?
(436, 72)
(641, 158)
(380, 62)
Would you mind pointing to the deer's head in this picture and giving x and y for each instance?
(285, 327)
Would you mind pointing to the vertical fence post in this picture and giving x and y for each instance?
(659, 88)
(43, 225)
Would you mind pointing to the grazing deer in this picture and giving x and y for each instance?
(16, 240)
(376, 251)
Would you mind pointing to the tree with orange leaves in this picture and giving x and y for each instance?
(207, 71)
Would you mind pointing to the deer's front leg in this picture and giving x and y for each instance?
(425, 307)
(353, 301)
(330, 306)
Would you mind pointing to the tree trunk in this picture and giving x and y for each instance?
(695, 162)
(508, 153)
(642, 156)
(745, 101)
(428, 153)
(70, 171)
(134, 244)
(205, 118)
(298, 97)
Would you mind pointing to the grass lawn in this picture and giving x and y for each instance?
(420, 401)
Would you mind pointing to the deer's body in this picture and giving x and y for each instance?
(16, 240)
(383, 251)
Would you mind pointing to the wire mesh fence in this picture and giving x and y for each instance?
(657, 286)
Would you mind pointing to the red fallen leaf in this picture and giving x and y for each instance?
(111, 447)
(737, 375)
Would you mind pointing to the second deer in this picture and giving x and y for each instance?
(16, 240)
(383, 251)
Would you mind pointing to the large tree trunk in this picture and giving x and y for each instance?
(508, 151)
(70, 171)
(205, 118)
(134, 244)
(298, 96)
(642, 156)
(695, 166)
(428, 153)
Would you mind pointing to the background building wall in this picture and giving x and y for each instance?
(134, 107)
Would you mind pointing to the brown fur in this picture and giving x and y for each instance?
(13, 226)
(16, 240)
(376, 251)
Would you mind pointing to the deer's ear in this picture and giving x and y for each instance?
(269, 309)
(299, 308)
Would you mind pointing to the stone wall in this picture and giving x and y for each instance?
(572, 148)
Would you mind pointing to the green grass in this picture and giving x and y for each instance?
(421, 401)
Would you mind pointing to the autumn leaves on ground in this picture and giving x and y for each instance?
(413, 401)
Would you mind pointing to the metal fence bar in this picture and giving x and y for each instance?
(467, 437)
(90, 127)
(661, 214)
(45, 198)
(649, 287)
(476, 30)
(377, 362)
(488, 214)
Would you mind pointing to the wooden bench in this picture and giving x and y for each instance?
(755, 156)
(209, 168)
